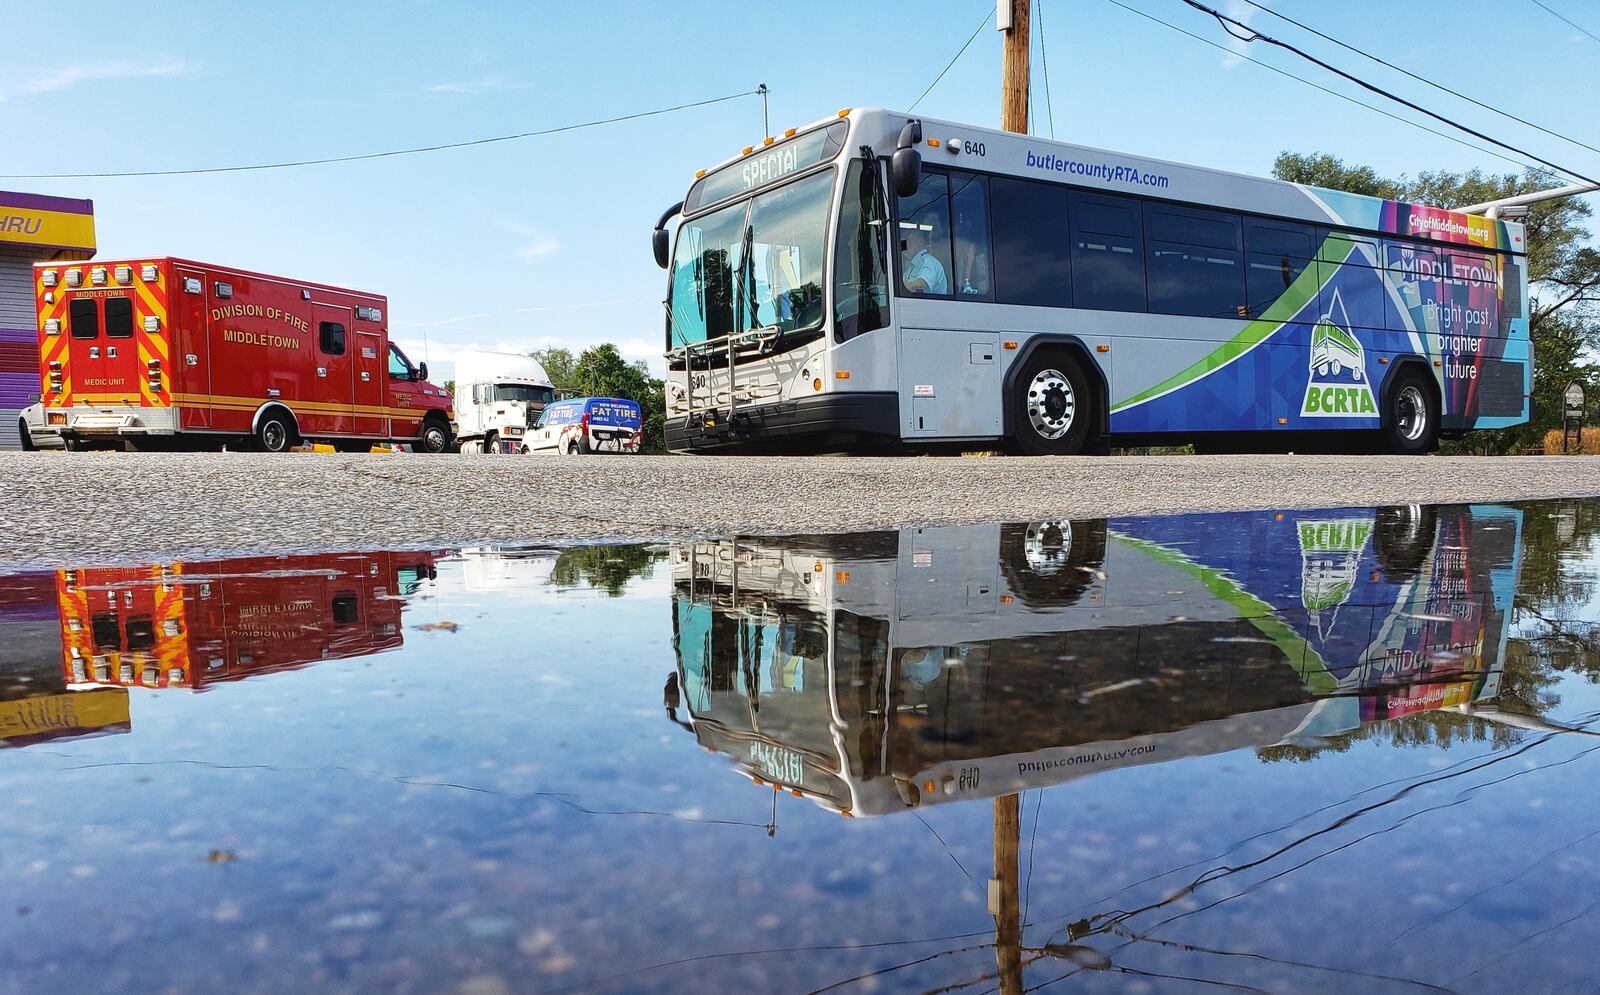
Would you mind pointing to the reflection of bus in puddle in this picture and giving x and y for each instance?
(198, 623)
(880, 672)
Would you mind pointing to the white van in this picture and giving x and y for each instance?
(499, 397)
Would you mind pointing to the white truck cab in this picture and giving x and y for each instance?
(499, 396)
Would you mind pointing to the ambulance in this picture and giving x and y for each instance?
(162, 353)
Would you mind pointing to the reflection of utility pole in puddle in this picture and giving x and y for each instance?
(1004, 902)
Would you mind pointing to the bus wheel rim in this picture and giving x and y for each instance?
(1051, 404)
(1047, 546)
(1412, 417)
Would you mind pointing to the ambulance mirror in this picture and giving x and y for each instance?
(422, 372)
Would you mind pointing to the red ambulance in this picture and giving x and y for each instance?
(149, 353)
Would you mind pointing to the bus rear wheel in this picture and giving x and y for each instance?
(1411, 414)
(1051, 406)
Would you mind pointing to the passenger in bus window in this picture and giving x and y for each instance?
(968, 200)
(922, 273)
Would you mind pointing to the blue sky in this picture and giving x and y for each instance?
(544, 241)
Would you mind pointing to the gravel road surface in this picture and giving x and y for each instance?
(61, 509)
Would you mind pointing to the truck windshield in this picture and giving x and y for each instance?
(754, 264)
(523, 392)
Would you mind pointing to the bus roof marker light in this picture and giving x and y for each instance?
(768, 140)
(699, 173)
(749, 149)
(844, 112)
(789, 132)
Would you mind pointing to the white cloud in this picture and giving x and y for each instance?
(35, 83)
(477, 86)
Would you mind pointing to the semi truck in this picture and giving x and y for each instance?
(154, 352)
(500, 395)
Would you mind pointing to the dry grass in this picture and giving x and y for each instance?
(1590, 445)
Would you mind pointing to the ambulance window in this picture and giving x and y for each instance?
(346, 609)
(84, 313)
(399, 366)
(119, 318)
(331, 337)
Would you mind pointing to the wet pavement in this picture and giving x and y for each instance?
(1344, 750)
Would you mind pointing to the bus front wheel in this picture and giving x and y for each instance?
(1051, 406)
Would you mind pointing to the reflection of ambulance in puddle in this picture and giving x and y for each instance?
(35, 703)
(193, 624)
(883, 672)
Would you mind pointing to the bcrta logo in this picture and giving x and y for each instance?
(1337, 386)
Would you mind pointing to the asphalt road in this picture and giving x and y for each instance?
(60, 509)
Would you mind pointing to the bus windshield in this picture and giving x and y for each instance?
(754, 264)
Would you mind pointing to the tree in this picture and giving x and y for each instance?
(1563, 272)
(602, 372)
(559, 364)
(604, 568)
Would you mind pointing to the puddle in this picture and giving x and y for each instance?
(1310, 750)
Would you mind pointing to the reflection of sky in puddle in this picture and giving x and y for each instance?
(508, 805)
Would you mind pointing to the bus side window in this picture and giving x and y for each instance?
(1107, 253)
(1194, 262)
(1413, 273)
(860, 258)
(1277, 253)
(1030, 243)
(925, 263)
(1352, 293)
(969, 210)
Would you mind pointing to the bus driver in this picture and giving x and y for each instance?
(923, 274)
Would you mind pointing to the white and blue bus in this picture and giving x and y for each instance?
(1055, 299)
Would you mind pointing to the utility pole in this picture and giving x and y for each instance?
(1004, 902)
(1011, 16)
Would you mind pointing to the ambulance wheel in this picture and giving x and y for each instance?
(1411, 414)
(275, 434)
(1052, 406)
(27, 436)
(435, 435)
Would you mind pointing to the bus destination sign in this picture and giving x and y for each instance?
(768, 165)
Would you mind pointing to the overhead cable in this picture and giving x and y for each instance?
(1334, 93)
(1243, 32)
(981, 24)
(1421, 79)
(383, 155)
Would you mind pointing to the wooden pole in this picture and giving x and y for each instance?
(1014, 77)
(1004, 899)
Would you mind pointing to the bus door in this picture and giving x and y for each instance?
(190, 350)
(371, 413)
(333, 388)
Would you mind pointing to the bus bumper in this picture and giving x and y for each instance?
(805, 423)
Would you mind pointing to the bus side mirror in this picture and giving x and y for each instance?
(905, 169)
(658, 243)
(422, 372)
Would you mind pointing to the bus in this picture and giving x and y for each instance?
(882, 281)
(878, 673)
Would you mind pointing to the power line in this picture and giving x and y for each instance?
(1252, 35)
(1331, 92)
(1421, 79)
(383, 155)
(1568, 20)
(936, 79)
(1044, 61)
